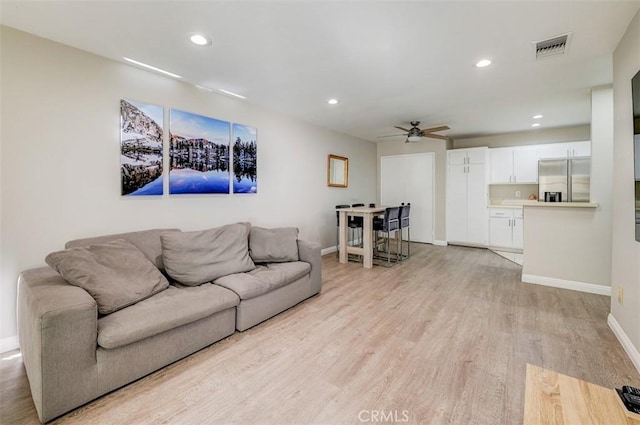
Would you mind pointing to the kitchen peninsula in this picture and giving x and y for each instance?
(561, 240)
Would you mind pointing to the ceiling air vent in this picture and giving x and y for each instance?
(553, 46)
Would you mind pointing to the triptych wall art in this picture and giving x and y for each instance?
(199, 153)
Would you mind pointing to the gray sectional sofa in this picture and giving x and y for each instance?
(131, 303)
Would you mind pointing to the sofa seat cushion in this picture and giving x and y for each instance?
(264, 278)
(171, 308)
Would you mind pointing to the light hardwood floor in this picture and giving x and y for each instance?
(443, 338)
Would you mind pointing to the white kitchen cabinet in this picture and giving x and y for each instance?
(525, 164)
(500, 231)
(467, 196)
(501, 165)
(467, 156)
(564, 150)
(506, 227)
(518, 233)
(514, 165)
(580, 148)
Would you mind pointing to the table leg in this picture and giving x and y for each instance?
(343, 237)
(367, 245)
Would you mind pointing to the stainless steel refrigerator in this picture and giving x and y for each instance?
(564, 180)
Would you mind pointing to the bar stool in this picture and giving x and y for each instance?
(390, 223)
(405, 210)
(357, 223)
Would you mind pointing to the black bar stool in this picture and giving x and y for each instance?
(390, 223)
(405, 211)
(357, 224)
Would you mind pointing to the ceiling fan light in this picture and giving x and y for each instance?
(414, 138)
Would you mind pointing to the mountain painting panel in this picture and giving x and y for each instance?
(199, 154)
(141, 135)
(245, 159)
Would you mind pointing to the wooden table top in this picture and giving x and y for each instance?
(555, 399)
(363, 209)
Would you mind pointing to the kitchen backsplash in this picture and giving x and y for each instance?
(501, 192)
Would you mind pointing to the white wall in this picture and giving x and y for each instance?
(574, 245)
(60, 162)
(626, 250)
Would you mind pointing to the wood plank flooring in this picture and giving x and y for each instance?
(443, 338)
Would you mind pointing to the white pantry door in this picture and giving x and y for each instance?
(410, 178)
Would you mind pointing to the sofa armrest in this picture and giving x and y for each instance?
(57, 330)
(310, 253)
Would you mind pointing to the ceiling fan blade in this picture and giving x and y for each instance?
(400, 128)
(434, 129)
(391, 135)
(436, 136)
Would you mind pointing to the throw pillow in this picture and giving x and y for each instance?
(116, 274)
(193, 258)
(274, 245)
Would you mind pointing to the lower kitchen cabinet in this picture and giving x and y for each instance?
(506, 227)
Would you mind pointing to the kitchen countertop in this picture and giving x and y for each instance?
(504, 206)
(510, 203)
(564, 204)
(519, 203)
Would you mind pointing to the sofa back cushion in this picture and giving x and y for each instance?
(276, 245)
(116, 274)
(193, 258)
(147, 241)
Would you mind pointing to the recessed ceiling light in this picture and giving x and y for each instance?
(537, 117)
(230, 93)
(332, 101)
(199, 39)
(535, 124)
(153, 68)
(483, 63)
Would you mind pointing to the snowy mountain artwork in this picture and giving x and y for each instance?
(199, 154)
(140, 148)
(245, 159)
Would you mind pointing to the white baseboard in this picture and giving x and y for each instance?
(626, 343)
(440, 243)
(329, 250)
(567, 284)
(9, 344)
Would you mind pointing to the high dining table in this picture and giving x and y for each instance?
(367, 213)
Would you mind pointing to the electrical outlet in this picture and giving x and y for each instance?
(518, 194)
(620, 295)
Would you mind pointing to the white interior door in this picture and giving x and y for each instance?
(392, 180)
(410, 178)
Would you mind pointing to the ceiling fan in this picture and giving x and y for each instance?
(415, 134)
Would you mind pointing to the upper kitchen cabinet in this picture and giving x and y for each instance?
(466, 156)
(514, 165)
(564, 150)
